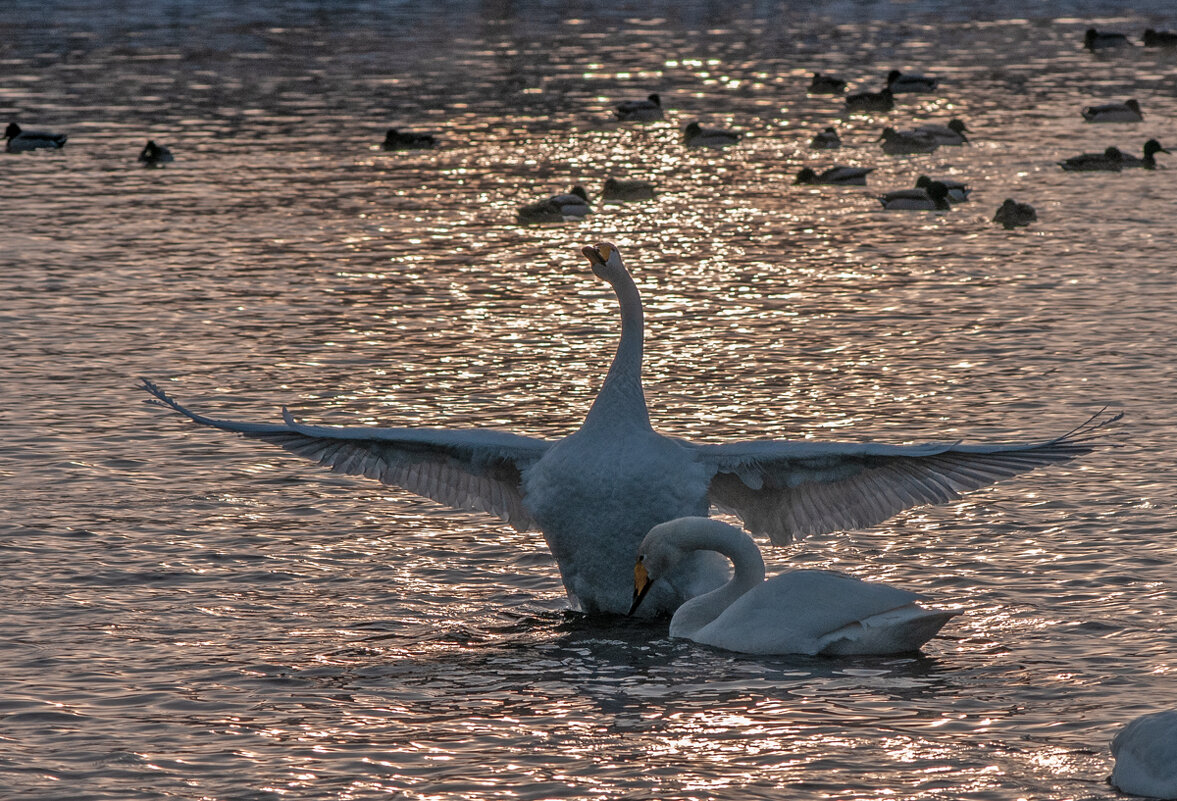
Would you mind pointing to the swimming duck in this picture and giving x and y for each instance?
(933, 198)
(407, 140)
(1110, 160)
(1128, 111)
(950, 134)
(835, 176)
(1146, 756)
(697, 136)
(826, 85)
(871, 101)
(1149, 162)
(898, 143)
(900, 83)
(646, 110)
(1101, 40)
(826, 140)
(627, 190)
(20, 140)
(957, 192)
(1013, 214)
(1153, 38)
(571, 205)
(153, 155)
(807, 612)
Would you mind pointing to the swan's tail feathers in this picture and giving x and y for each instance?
(898, 631)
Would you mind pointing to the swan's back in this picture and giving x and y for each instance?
(818, 612)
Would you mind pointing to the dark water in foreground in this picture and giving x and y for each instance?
(187, 615)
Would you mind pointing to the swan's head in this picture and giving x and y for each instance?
(12, 131)
(656, 557)
(663, 548)
(605, 259)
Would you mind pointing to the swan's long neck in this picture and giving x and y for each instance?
(703, 534)
(621, 400)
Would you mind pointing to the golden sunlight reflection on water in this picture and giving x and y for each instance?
(191, 615)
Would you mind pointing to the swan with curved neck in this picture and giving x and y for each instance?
(800, 612)
(596, 492)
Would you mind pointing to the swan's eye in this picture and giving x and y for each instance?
(641, 557)
(606, 251)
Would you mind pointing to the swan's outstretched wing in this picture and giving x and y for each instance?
(788, 489)
(467, 469)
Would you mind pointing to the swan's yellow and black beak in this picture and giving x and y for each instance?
(641, 585)
(599, 254)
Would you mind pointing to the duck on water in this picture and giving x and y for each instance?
(596, 493)
(20, 140)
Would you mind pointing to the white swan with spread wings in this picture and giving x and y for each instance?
(595, 493)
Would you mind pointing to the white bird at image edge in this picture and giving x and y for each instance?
(1146, 756)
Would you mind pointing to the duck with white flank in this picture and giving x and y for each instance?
(951, 134)
(826, 85)
(1128, 111)
(153, 155)
(835, 176)
(571, 205)
(648, 110)
(826, 140)
(1149, 162)
(695, 135)
(595, 493)
(1012, 214)
(811, 612)
(900, 83)
(1110, 160)
(20, 140)
(616, 189)
(900, 143)
(958, 192)
(407, 140)
(933, 198)
(871, 101)
(1103, 40)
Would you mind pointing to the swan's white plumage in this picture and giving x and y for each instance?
(595, 493)
(1146, 756)
(799, 612)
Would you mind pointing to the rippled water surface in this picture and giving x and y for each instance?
(190, 615)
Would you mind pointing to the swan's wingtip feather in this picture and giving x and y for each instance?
(159, 397)
(1091, 428)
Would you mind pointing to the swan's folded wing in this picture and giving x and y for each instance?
(466, 469)
(790, 489)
